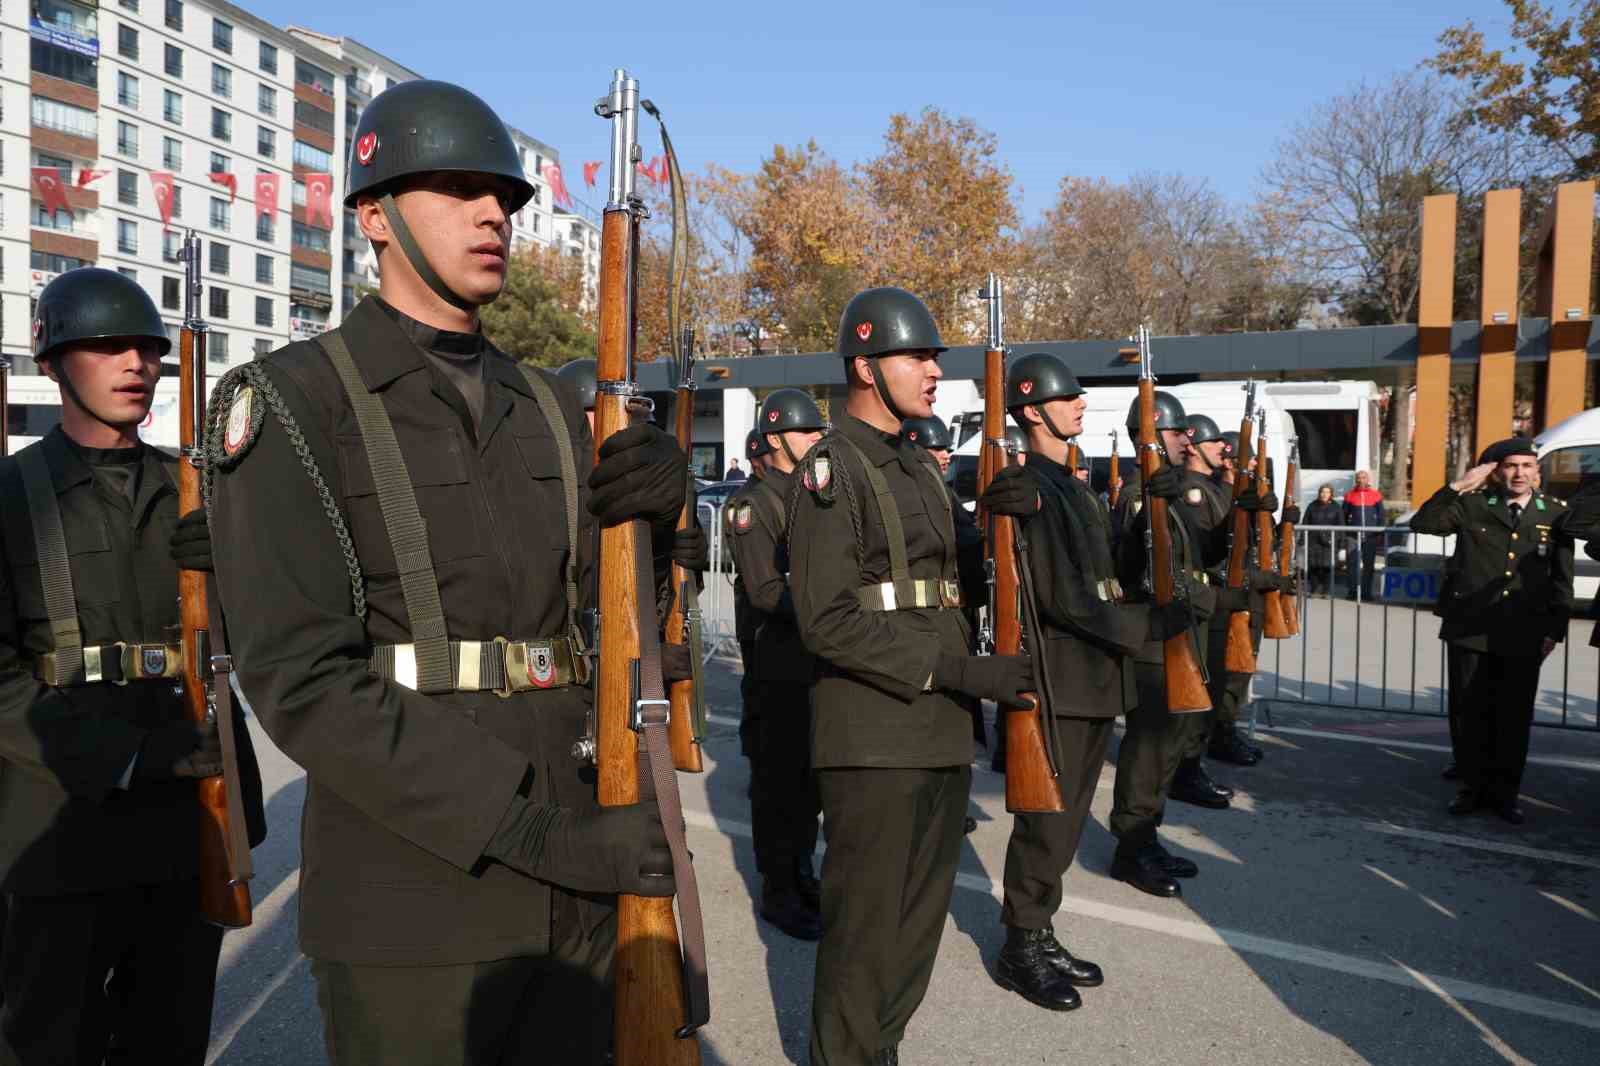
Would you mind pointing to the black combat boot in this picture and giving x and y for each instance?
(889, 1056)
(783, 906)
(1228, 745)
(1025, 968)
(1176, 865)
(1193, 785)
(1079, 972)
(1145, 871)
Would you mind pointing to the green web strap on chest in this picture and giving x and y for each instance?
(50, 541)
(550, 407)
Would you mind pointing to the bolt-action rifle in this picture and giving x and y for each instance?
(1114, 485)
(1241, 653)
(1286, 568)
(1032, 783)
(687, 725)
(1273, 627)
(1186, 682)
(661, 991)
(225, 867)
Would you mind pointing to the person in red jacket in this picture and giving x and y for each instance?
(1363, 509)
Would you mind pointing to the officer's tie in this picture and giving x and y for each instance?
(1516, 513)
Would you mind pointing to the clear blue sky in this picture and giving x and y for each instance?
(1108, 88)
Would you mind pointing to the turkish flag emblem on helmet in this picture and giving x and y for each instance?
(367, 148)
(864, 330)
(772, 416)
(1025, 387)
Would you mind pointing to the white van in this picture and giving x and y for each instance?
(1569, 454)
(35, 404)
(1339, 428)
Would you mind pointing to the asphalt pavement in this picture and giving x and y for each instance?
(1340, 916)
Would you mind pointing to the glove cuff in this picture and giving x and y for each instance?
(950, 671)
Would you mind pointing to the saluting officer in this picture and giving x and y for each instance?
(876, 589)
(403, 574)
(1156, 740)
(106, 951)
(784, 806)
(1505, 601)
(1090, 636)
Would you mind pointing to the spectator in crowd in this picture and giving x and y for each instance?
(734, 472)
(1324, 511)
(1363, 509)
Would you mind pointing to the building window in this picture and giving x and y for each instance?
(127, 237)
(266, 100)
(221, 164)
(217, 342)
(312, 157)
(269, 58)
(171, 245)
(219, 215)
(266, 142)
(55, 264)
(60, 63)
(311, 237)
(221, 81)
(263, 310)
(315, 117)
(171, 293)
(263, 269)
(128, 188)
(218, 305)
(53, 115)
(219, 258)
(172, 106)
(174, 14)
(221, 124)
(127, 41)
(172, 153)
(309, 279)
(262, 347)
(174, 56)
(131, 5)
(127, 89)
(177, 201)
(314, 76)
(61, 221)
(221, 36)
(128, 272)
(349, 261)
(128, 139)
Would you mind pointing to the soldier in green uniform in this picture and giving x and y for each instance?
(783, 793)
(1156, 740)
(106, 952)
(1087, 647)
(404, 523)
(1505, 601)
(876, 591)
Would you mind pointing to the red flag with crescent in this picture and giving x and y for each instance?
(319, 199)
(88, 177)
(52, 190)
(266, 193)
(590, 170)
(558, 185)
(161, 182)
(227, 181)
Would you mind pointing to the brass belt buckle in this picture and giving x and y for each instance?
(514, 657)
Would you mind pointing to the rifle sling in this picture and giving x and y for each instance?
(50, 542)
(550, 407)
(240, 866)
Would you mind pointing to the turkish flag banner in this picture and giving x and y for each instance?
(51, 189)
(227, 181)
(590, 169)
(558, 185)
(87, 178)
(161, 182)
(266, 193)
(319, 199)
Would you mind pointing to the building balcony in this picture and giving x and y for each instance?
(311, 298)
(313, 136)
(311, 258)
(60, 142)
(67, 92)
(53, 243)
(315, 97)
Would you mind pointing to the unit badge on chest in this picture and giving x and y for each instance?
(541, 665)
(239, 433)
(155, 661)
(819, 473)
(1194, 496)
(742, 517)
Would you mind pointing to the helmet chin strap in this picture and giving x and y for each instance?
(883, 389)
(1049, 423)
(783, 442)
(419, 262)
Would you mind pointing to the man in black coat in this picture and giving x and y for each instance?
(1505, 601)
(106, 952)
(1086, 650)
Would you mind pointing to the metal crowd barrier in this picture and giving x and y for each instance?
(1374, 644)
(716, 596)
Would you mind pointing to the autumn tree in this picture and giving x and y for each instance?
(539, 316)
(1552, 92)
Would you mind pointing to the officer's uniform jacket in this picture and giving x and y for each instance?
(759, 549)
(405, 790)
(1199, 528)
(1090, 635)
(1508, 585)
(65, 825)
(871, 706)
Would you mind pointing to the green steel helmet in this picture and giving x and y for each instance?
(1230, 438)
(881, 321)
(1037, 378)
(927, 433)
(421, 127)
(755, 445)
(1018, 439)
(90, 303)
(788, 410)
(1169, 415)
(1203, 428)
(581, 374)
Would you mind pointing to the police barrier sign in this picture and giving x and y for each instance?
(1405, 585)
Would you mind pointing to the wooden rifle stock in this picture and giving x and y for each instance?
(1031, 783)
(1291, 486)
(1114, 483)
(1186, 682)
(648, 971)
(1273, 627)
(682, 728)
(1240, 656)
(224, 900)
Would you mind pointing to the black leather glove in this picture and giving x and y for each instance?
(640, 474)
(1251, 500)
(1233, 599)
(191, 542)
(1264, 581)
(179, 749)
(1170, 621)
(1002, 678)
(607, 849)
(1014, 491)
(1291, 513)
(676, 663)
(691, 550)
(1166, 483)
